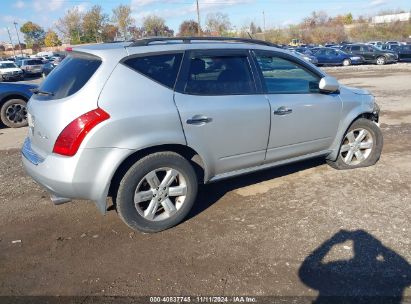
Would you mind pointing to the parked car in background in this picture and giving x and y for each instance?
(377, 44)
(307, 56)
(404, 52)
(30, 66)
(10, 71)
(370, 53)
(13, 103)
(146, 121)
(331, 56)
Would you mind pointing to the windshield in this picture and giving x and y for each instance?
(7, 65)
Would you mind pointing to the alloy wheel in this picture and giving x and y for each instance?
(160, 194)
(356, 147)
(16, 113)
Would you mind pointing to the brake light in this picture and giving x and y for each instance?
(72, 136)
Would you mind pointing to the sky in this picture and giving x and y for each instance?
(278, 13)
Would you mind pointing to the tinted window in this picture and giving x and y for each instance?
(70, 76)
(355, 48)
(162, 68)
(34, 62)
(286, 77)
(219, 75)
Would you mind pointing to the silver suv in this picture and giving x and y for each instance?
(145, 122)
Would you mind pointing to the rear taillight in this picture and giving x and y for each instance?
(72, 136)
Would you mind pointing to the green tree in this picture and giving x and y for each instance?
(156, 26)
(188, 28)
(51, 39)
(33, 34)
(123, 19)
(93, 24)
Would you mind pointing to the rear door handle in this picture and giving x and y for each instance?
(283, 111)
(199, 120)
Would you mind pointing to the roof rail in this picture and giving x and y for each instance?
(148, 41)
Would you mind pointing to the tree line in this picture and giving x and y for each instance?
(94, 26)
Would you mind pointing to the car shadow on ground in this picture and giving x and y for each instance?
(210, 193)
(375, 273)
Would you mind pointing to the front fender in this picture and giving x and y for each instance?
(353, 108)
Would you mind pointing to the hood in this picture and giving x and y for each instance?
(355, 90)
(8, 70)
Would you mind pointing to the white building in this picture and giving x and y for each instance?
(391, 18)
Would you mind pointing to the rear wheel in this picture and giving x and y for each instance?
(346, 62)
(157, 192)
(381, 60)
(361, 146)
(13, 113)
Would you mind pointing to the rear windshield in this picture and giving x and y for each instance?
(34, 62)
(69, 76)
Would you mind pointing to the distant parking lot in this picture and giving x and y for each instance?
(278, 232)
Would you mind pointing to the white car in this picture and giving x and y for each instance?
(10, 71)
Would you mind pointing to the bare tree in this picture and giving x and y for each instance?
(123, 19)
(218, 23)
(70, 25)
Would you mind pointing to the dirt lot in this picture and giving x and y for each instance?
(279, 232)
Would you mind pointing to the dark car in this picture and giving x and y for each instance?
(13, 100)
(331, 56)
(404, 53)
(371, 54)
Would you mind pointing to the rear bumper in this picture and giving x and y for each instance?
(87, 175)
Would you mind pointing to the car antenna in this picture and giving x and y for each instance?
(249, 35)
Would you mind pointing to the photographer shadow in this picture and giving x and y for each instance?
(375, 274)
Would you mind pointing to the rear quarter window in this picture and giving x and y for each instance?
(70, 76)
(161, 68)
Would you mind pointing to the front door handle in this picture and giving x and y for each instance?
(283, 111)
(199, 120)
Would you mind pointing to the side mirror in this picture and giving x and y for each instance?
(329, 84)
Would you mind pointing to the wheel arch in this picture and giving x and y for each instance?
(187, 152)
(5, 98)
(345, 126)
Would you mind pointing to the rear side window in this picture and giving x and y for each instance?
(161, 68)
(70, 76)
(219, 75)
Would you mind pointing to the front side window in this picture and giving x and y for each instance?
(219, 75)
(161, 68)
(355, 48)
(282, 76)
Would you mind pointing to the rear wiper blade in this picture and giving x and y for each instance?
(39, 92)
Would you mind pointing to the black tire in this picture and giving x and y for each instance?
(125, 194)
(14, 121)
(381, 60)
(375, 154)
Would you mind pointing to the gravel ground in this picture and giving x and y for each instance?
(300, 230)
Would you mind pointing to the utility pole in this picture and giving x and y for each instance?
(198, 19)
(264, 24)
(12, 45)
(18, 38)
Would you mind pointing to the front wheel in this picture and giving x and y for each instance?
(361, 146)
(157, 192)
(346, 62)
(381, 60)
